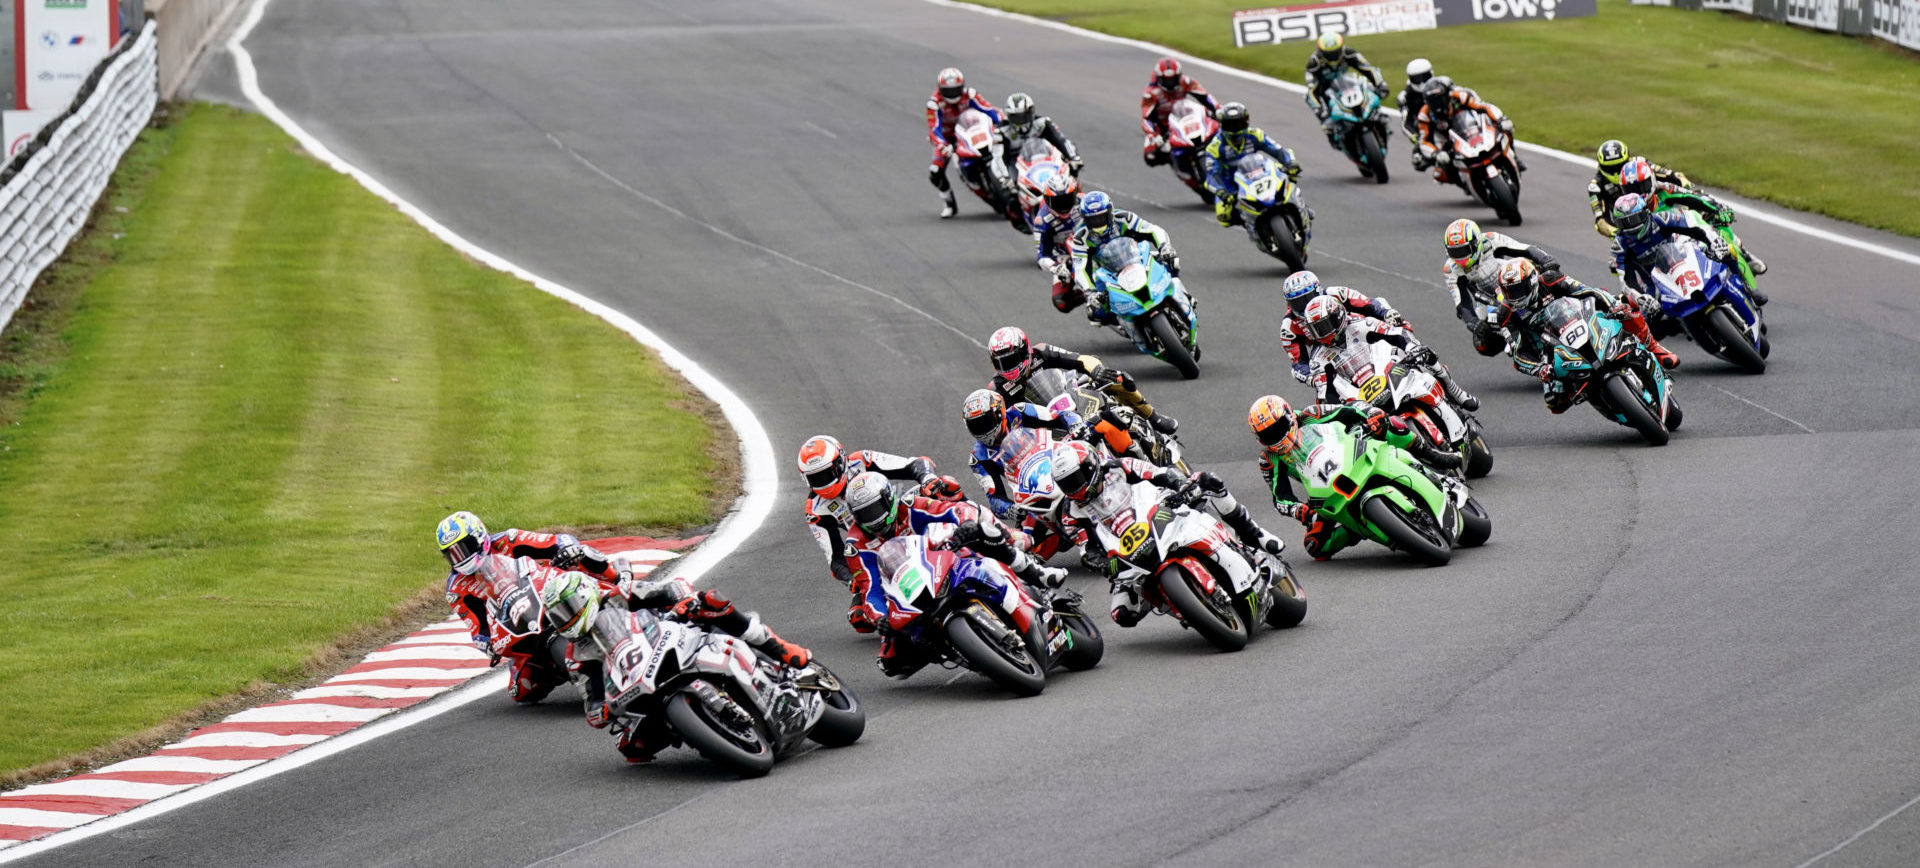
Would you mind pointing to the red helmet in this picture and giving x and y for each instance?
(1011, 353)
(986, 414)
(1323, 318)
(953, 86)
(1077, 471)
(1167, 73)
(1637, 177)
(824, 465)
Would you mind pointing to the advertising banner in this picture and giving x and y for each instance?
(1352, 18)
(1456, 12)
(22, 126)
(57, 45)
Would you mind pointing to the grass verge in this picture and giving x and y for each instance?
(1810, 120)
(234, 412)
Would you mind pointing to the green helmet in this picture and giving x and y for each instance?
(570, 599)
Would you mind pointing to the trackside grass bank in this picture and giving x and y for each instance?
(1812, 121)
(247, 397)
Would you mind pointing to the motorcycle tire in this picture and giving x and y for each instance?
(748, 757)
(1479, 454)
(1024, 674)
(1087, 647)
(1226, 630)
(1500, 195)
(1733, 342)
(1289, 601)
(843, 721)
(1283, 247)
(1673, 413)
(1402, 535)
(1375, 155)
(1476, 526)
(1174, 351)
(1640, 417)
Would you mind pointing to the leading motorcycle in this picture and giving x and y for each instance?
(983, 166)
(1359, 127)
(1380, 493)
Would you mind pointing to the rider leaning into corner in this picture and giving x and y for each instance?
(1419, 82)
(1277, 426)
(1238, 138)
(827, 468)
(1325, 65)
(1015, 358)
(464, 541)
(1023, 124)
(1053, 229)
(1301, 288)
(1165, 90)
(990, 419)
(1609, 184)
(1641, 229)
(1101, 222)
(1520, 313)
(1444, 100)
(1329, 326)
(951, 97)
(1470, 273)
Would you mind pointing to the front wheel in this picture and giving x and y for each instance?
(1020, 671)
(1640, 417)
(1425, 542)
(1500, 195)
(843, 721)
(1479, 454)
(1733, 342)
(1171, 348)
(1221, 625)
(743, 748)
(1289, 600)
(1282, 237)
(1375, 157)
(1086, 647)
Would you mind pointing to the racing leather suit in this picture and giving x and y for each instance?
(1052, 235)
(989, 463)
(1013, 135)
(1156, 103)
(472, 597)
(1529, 350)
(1084, 241)
(1435, 141)
(941, 118)
(1355, 301)
(829, 519)
(1474, 289)
(1280, 465)
(1321, 74)
(1120, 386)
(1602, 191)
(1217, 163)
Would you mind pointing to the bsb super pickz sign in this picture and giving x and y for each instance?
(1361, 17)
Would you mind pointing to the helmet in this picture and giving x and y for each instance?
(986, 414)
(570, 599)
(953, 85)
(1465, 243)
(824, 464)
(1331, 44)
(463, 539)
(1096, 211)
(874, 503)
(1078, 471)
(1167, 73)
(1323, 319)
(1630, 215)
(1519, 283)
(1020, 110)
(1637, 177)
(1419, 71)
(1272, 422)
(1301, 287)
(1611, 156)
(1063, 194)
(1234, 118)
(1010, 352)
(1439, 94)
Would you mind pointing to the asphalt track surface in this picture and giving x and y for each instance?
(1695, 655)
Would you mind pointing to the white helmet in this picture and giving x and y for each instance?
(1419, 71)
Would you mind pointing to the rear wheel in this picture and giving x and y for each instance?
(1172, 349)
(1289, 601)
(1217, 621)
(1475, 524)
(1283, 247)
(1733, 342)
(1420, 539)
(843, 721)
(1479, 454)
(1640, 417)
(744, 749)
(1376, 159)
(1505, 203)
(1020, 671)
(1087, 647)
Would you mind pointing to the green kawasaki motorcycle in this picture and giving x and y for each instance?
(1379, 492)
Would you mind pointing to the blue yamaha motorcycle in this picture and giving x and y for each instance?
(1707, 299)
(1152, 306)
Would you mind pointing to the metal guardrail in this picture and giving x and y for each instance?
(1896, 21)
(47, 192)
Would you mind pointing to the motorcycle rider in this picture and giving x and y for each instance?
(1329, 60)
(1445, 99)
(1053, 229)
(1165, 90)
(1277, 426)
(1473, 263)
(1238, 138)
(1101, 222)
(1022, 124)
(1083, 474)
(990, 419)
(951, 97)
(1015, 358)
(1638, 177)
(1607, 186)
(1523, 300)
(464, 541)
(828, 467)
(1301, 288)
(1641, 229)
(1419, 82)
(1329, 327)
(880, 515)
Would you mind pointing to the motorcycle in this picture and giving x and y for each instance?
(1036, 164)
(1059, 390)
(972, 612)
(1593, 355)
(983, 166)
(1269, 202)
(1189, 130)
(1708, 300)
(1358, 125)
(518, 630)
(1483, 154)
(1152, 306)
(1200, 573)
(1378, 492)
(736, 706)
(1381, 375)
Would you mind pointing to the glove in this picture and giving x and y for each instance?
(946, 150)
(1299, 512)
(1208, 482)
(1171, 260)
(1223, 211)
(569, 552)
(1301, 372)
(1380, 91)
(1422, 355)
(1718, 247)
(1293, 170)
(857, 618)
(1506, 125)
(1075, 164)
(1052, 577)
(1125, 380)
(945, 489)
(1396, 319)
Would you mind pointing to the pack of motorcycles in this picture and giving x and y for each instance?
(744, 710)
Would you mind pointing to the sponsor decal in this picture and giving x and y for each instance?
(1352, 18)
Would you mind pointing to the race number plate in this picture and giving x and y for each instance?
(1133, 537)
(1372, 388)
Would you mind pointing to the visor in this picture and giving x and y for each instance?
(875, 515)
(1097, 222)
(1075, 484)
(1462, 253)
(1063, 203)
(1278, 431)
(1320, 330)
(1644, 187)
(1009, 361)
(829, 476)
(952, 93)
(463, 555)
(1020, 119)
(1167, 83)
(983, 427)
(1635, 223)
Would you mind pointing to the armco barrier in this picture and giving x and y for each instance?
(1897, 21)
(47, 192)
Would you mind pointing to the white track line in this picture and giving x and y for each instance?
(1745, 209)
(758, 482)
(1862, 833)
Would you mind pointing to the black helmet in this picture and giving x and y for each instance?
(1439, 94)
(1233, 118)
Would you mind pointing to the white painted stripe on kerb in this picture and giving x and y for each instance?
(371, 691)
(101, 787)
(307, 713)
(36, 817)
(234, 738)
(410, 673)
(435, 639)
(1744, 209)
(431, 652)
(180, 764)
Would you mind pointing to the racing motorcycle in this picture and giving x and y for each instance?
(972, 612)
(1152, 306)
(1189, 130)
(1200, 573)
(1358, 125)
(1707, 299)
(1058, 390)
(518, 630)
(1269, 202)
(1380, 493)
(984, 168)
(737, 707)
(1594, 357)
(1483, 162)
(1036, 164)
(1387, 377)
(1034, 498)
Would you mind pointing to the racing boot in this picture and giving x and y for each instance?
(1455, 392)
(899, 658)
(1094, 559)
(1128, 605)
(1066, 296)
(1636, 325)
(937, 176)
(1162, 422)
(769, 643)
(1236, 517)
(948, 206)
(1438, 459)
(1034, 573)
